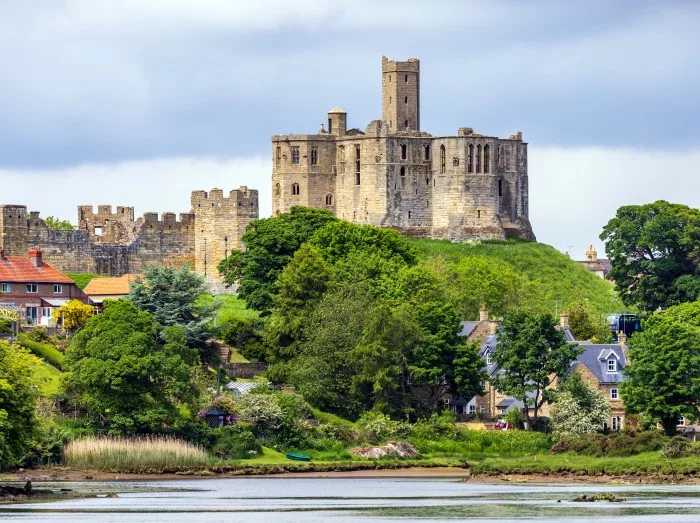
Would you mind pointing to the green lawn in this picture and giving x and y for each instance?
(48, 378)
(552, 276)
(237, 357)
(83, 279)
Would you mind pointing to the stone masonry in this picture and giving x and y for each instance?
(115, 243)
(468, 186)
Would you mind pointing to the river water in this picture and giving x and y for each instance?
(354, 499)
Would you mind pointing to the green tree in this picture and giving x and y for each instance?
(663, 374)
(74, 314)
(56, 223)
(127, 377)
(583, 323)
(270, 244)
(578, 408)
(170, 295)
(654, 250)
(531, 354)
(18, 394)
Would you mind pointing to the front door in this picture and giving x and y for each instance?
(32, 315)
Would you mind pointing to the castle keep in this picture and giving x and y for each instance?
(460, 187)
(115, 243)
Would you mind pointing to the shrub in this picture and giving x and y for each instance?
(679, 447)
(5, 325)
(36, 334)
(615, 444)
(378, 427)
(236, 442)
(437, 426)
(50, 353)
(261, 410)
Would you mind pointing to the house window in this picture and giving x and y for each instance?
(295, 189)
(403, 151)
(426, 152)
(46, 312)
(617, 422)
(472, 409)
(32, 313)
(32, 288)
(442, 159)
(402, 171)
(681, 421)
(57, 288)
(314, 156)
(278, 155)
(470, 159)
(613, 394)
(612, 365)
(442, 380)
(478, 158)
(341, 158)
(409, 380)
(487, 158)
(482, 408)
(5, 287)
(295, 155)
(329, 199)
(489, 359)
(357, 165)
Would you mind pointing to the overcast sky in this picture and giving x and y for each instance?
(138, 102)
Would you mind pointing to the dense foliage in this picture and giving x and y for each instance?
(126, 376)
(73, 315)
(42, 349)
(663, 376)
(578, 408)
(653, 250)
(56, 223)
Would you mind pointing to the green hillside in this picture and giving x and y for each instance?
(553, 280)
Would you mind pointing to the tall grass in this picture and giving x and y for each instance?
(145, 454)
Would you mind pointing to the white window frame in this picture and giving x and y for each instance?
(489, 359)
(614, 394)
(681, 422)
(30, 286)
(612, 363)
(59, 287)
(46, 312)
(482, 408)
(616, 423)
(5, 287)
(472, 409)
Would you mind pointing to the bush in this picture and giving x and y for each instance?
(615, 444)
(437, 426)
(36, 334)
(501, 443)
(680, 447)
(5, 325)
(50, 353)
(236, 442)
(377, 428)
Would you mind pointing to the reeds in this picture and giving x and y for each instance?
(144, 454)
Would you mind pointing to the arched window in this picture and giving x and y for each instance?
(403, 151)
(478, 158)
(278, 189)
(295, 189)
(403, 171)
(329, 199)
(470, 159)
(442, 159)
(487, 159)
(500, 187)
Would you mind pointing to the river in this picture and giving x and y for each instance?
(354, 499)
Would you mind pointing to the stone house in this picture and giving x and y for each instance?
(35, 287)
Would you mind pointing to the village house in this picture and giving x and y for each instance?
(34, 288)
(100, 289)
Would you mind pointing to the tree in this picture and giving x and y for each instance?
(270, 244)
(171, 296)
(18, 394)
(654, 250)
(583, 324)
(56, 223)
(578, 408)
(73, 315)
(129, 378)
(663, 373)
(531, 354)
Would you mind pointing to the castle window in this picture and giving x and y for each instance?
(295, 189)
(442, 159)
(406, 124)
(478, 214)
(426, 151)
(455, 161)
(409, 215)
(341, 158)
(478, 158)
(427, 181)
(295, 155)
(98, 231)
(507, 158)
(403, 171)
(278, 156)
(403, 151)
(329, 199)
(487, 158)
(277, 212)
(470, 159)
(330, 126)
(389, 78)
(314, 156)
(500, 187)
(405, 78)
(427, 203)
(499, 155)
(357, 165)
(405, 99)
(278, 189)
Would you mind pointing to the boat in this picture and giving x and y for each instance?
(298, 457)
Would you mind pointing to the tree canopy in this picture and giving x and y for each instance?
(56, 223)
(578, 408)
(128, 377)
(664, 371)
(654, 250)
(73, 315)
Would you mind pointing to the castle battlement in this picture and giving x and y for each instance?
(241, 197)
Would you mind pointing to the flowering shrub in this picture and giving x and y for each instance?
(262, 410)
(379, 427)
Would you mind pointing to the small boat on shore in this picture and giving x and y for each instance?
(298, 457)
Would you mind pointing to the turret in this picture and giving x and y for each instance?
(401, 94)
(337, 121)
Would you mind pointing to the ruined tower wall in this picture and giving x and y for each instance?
(13, 230)
(105, 226)
(401, 94)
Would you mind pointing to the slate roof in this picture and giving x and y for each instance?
(117, 286)
(595, 357)
(468, 327)
(22, 270)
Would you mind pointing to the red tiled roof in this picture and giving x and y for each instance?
(115, 286)
(22, 270)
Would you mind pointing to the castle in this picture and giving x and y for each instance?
(114, 243)
(394, 175)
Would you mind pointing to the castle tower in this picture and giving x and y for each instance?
(13, 230)
(337, 121)
(401, 94)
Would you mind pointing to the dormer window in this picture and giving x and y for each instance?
(489, 359)
(612, 365)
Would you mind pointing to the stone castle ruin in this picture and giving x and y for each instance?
(393, 174)
(115, 243)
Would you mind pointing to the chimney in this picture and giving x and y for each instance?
(622, 339)
(35, 256)
(591, 254)
(484, 313)
(564, 320)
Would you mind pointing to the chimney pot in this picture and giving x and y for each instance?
(484, 313)
(564, 320)
(35, 257)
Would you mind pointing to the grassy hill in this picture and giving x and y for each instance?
(82, 279)
(554, 280)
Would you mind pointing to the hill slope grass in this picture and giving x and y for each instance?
(554, 279)
(82, 279)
